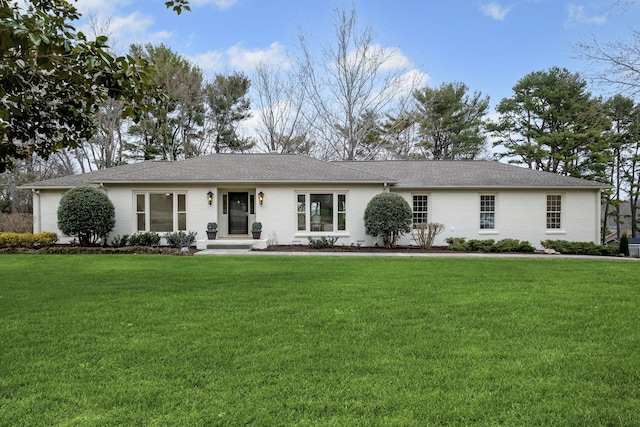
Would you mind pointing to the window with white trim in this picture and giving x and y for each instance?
(161, 211)
(487, 212)
(420, 208)
(321, 212)
(554, 211)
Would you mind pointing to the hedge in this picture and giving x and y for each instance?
(27, 240)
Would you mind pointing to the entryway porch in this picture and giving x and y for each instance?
(236, 242)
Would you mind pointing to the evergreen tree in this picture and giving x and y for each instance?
(551, 123)
(451, 122)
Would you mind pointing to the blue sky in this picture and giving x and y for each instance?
(489, 45)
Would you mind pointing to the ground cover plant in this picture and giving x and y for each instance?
(288, 340)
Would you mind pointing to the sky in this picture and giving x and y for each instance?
(488, 45)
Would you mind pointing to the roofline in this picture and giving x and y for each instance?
(56, 187)
(500, 187)
(205, 182)
(391, 184)
(245, 182)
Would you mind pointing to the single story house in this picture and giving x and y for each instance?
(296, 197)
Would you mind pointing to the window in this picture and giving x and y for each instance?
(420, 209)
(302, 212)
(161, 212)
(554, 211)
(487, 212)
(322, 212)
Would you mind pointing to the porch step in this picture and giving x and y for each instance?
(230, 246)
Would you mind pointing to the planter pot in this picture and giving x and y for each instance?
(211, 234)
(256, 234)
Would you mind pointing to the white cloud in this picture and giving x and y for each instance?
(406, 83)
(494, 10)
(135, 23)
(212, 61)
(243, 59)
(125, 30)
(220, 4)
(394, 58)
(577, 15)
(99, 7)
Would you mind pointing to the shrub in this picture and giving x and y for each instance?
(623, 248)
(475, 245)
(120, 241)
(322, 242)
(146, 238)
(455, 240)
(86, 213)
(16, 222)
(526, 247)
(256, 226)
(180, 239)
(425, 234)
(459, 247)
(506, 245)
(579, 248)
(389, 216)
(44, 239)
(489, 245)
(27, 240)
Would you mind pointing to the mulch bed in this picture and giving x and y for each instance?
(66, 249)
(399, 249)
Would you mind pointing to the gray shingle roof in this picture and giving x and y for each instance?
(468, 174)
(224, 168)
(288, 168)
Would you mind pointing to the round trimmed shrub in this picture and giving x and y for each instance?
(389, 216)
(87, 213)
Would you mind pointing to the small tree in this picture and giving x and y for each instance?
(623, 248)
(86, 213)
(389, 216)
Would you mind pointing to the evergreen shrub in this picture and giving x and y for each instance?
(86, 213)
(388, 215)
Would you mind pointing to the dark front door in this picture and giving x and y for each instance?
(238, 213)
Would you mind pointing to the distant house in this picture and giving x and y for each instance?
(296, 197)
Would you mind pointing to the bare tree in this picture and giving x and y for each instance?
(282, 128)
(616, 63)
(106, 148)
(353, 82)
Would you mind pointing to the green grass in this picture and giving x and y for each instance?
(261, 340)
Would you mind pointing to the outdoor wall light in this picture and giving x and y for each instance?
(210, 197)
(261, 197)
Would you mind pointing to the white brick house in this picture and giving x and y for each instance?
(295, 197)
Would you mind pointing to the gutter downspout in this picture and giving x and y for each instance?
(599, 225)
(37, 217)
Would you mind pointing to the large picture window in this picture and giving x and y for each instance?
(554, 211)
(420, 211)
(487, 212)
(321, 212)
(161, 212)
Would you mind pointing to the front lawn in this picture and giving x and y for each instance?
(111, 340)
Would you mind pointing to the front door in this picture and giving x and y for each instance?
(238, 213)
